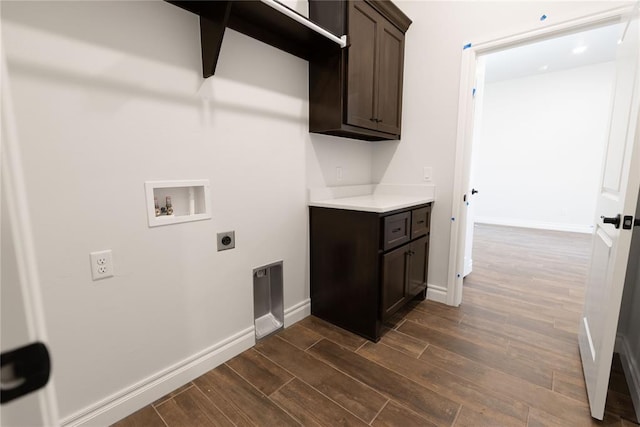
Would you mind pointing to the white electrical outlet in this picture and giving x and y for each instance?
(101, 265)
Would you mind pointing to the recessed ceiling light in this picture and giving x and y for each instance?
(543, 68)
(578, 50)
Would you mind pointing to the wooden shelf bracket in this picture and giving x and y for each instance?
(266, 20)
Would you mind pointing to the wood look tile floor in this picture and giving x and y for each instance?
(508, 356)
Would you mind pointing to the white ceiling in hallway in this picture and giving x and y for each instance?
(573, 50)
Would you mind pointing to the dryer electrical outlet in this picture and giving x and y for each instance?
(226, 240)
(101, 264)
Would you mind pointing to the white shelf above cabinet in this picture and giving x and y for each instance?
(190, 200)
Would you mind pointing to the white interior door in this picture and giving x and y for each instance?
(471, 191)
(618, 195)
(24, 373)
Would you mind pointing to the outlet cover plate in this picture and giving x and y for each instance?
(427, 173)
(226, 240)
(101, 264)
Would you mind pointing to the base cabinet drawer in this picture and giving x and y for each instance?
(397, 230)
(420, 220)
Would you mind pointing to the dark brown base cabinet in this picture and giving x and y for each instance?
(365, 266)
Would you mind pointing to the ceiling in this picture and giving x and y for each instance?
(554, 54)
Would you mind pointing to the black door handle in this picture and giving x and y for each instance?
(612, 220)
(474, 191)
(636, 222)
(24, 370)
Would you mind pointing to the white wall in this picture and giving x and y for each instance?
(431, 87)
(326, 153)
(538, 157)
(106, 97)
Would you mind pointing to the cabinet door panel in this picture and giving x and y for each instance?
(390, 78)
(394, 273)
(417, 280)
(362, 75)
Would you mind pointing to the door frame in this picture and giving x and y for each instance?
(12, 177)
(464, 139)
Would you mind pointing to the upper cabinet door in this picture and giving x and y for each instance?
(362, 78)
(391, 50)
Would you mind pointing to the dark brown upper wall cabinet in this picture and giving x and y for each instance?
(357, 92)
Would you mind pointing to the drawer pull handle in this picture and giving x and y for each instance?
(395, 230)
(421, 222)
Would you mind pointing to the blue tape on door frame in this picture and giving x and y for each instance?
(466, 46)
(543, 17)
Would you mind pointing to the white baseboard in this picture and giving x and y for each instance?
(297, 312)
(129, 400)
(573, 228)
(631, 367)
(437, 293)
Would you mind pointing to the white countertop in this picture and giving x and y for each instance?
(373, 203)
(382, 199)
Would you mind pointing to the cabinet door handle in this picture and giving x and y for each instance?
(378, 120)
(395, 230)
(373, 119)
(421, 222)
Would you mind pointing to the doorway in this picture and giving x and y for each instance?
(469, 87)
(540, 127)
